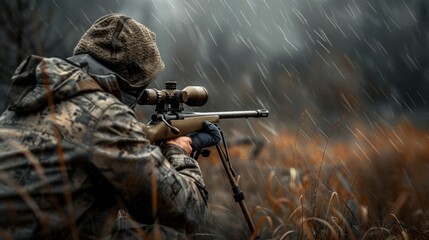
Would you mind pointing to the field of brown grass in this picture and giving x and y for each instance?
(372, 184)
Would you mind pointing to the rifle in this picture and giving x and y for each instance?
(171, 121)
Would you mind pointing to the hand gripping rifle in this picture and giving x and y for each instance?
(171, 121)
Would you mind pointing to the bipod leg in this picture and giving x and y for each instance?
(237, 193)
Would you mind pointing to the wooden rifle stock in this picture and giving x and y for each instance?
(172, 125)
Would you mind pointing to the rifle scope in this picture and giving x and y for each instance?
(191, 95)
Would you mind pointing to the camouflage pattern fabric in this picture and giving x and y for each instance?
(72, 155)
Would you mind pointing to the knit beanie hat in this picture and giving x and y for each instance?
(124, 46)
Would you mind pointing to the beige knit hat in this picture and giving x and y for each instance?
(124, 46)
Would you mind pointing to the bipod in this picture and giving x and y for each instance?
(238, 195)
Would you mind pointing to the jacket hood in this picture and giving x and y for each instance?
(39, 81)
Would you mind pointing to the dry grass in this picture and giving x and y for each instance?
(371, 185)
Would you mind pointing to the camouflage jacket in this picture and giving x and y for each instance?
(72, 154)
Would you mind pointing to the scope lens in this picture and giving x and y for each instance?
(194, 95)
(149, 97)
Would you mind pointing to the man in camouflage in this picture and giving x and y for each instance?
(73, 155)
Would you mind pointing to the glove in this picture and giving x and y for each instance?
(206, 137)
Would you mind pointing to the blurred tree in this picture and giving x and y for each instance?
(25, 29)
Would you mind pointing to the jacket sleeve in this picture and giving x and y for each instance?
(157, 184)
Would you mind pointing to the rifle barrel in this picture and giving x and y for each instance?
(230, 114)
